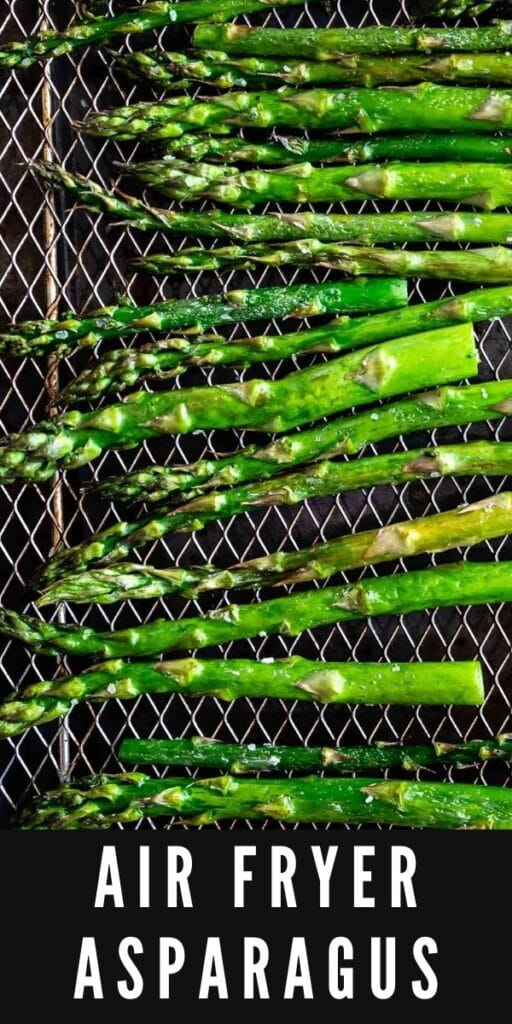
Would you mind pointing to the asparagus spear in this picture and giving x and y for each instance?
(330, 44)
(483, 185)
(73, 438)
(467, 525)
(284, 151)
(168, 169)
(485, 266)
(178, 70)
(462, 583)
(38, 337)
(489, 458)
(161, 359)
(121, 368)
(440, 408)
(242, 758)
(286, 679)
(364, 228)
(102, 801)
(147, 16)
(423, 107)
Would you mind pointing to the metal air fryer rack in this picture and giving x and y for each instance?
(52, 258)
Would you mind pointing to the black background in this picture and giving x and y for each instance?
(48, 884)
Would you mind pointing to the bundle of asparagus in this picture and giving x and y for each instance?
(365, 228)
(402, 359)
(241, 759)
(462, 583)
(467, 525)
(38, 337)
(158, 14)
(443, 407)
(106, 800)
(283, 679)
(423, 107)
(156, 484)
(76, 438)
(122, 368)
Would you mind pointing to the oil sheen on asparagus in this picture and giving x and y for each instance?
(460, 583)
(285, 679)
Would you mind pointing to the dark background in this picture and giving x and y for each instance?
(48, 884)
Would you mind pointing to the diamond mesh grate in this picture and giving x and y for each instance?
(54, 257)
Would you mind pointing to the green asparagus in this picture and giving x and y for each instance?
(483, 185)
(467, 525)
(160, 360)
(105, 800)
(394, 367)
(38, 337)
(366, 229)
(454, 8)
(243, 758)
(485, 266)
(489, 458)
(462, 583)
(147, 16)
(285, 679)
(168, 168)
(178, 70)
(330, 44)
(440, 408)
(296, 149)
(122, 368)
(423, 107)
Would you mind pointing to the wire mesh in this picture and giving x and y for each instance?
(52, 255)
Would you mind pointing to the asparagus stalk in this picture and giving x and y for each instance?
(366, 229)
(286, 679)
(243, 758)
(380, 371)
(483, 185)
(440, 408)
(38, 337)
(330, 44)
(178, 70)
(476, 458)
(284, 151)
(105, 800)
(462, 583)
(147, 16)
(486, 266)
(169, 357)
(466, 525)
(423, 107)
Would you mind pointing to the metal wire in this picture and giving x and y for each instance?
(51, 254)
